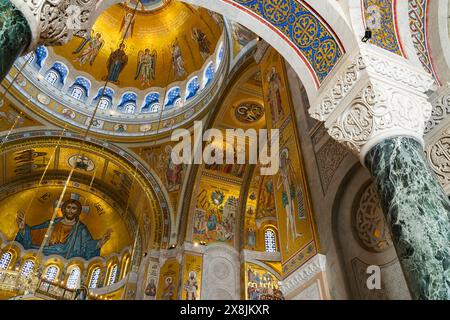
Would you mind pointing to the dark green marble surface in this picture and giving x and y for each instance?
(417, 211)
(15, 36)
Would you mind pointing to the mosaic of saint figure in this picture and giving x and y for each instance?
(89, 48)
(287, 180)
(191, 286)
(199, 222)
(146, 66)
(266, 205)
(274, 96)
(177, 60)
(169, 289)
(203, 42)
(70, 237)
(242, 35)
(127, 26)
(251, 237)
(174, 172)
(116, 63)
(150, 290)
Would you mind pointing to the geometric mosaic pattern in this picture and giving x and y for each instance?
(307, 34)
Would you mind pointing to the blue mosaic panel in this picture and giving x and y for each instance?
(307, 33)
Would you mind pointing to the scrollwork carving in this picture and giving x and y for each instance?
(55, 22)
(377, 110)
(369, 222)
(368, 64)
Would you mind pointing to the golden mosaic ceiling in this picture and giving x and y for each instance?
(158, 30)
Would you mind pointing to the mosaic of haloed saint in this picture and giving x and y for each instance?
(85, 225)
(130, 56)
(214, 217)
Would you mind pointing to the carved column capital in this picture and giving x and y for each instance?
(55, 22)
(374, 96)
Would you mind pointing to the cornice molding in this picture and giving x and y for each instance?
(303, 274)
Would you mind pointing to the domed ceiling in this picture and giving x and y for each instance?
(164, 63)
(156, 33)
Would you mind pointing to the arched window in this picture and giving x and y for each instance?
(5, 260)
(192, 88)
(27, 268)
(51, 77)
(51, 273)
(95, 275)
(270, 240)
(220, 55)
(73, 282)
(155, 107)
(77, 93)
(113, 275)
(129, 107)
(104, 103)
(29, 57)
(208, 75)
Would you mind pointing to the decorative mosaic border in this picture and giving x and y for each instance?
(303, 29)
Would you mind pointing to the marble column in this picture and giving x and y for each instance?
(24, 25)
(417, 210)
(15, 36)
(377, 106)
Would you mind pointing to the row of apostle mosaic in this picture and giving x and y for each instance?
(91, 45)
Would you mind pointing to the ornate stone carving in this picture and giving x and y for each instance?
(441, 109)
(329, 157)
(302, 275)
(369, 222)
(374, 96)
(55, 22)
(378, 111)
(439, 157)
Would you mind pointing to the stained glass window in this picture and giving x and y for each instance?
(74, 278)
(129, 108)
(51, 77)
(77, 93)
(5, 260)
(52, 273)
(93, 282)
(27, 268)
(103, 104)
(270, 241)
(113, 275)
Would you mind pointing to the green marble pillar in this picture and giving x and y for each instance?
(15, 36)
(418, 213)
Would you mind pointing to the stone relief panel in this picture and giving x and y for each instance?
(438, 153)
(220, 274)
(441, 109)
(370, 224)
(329, 157)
